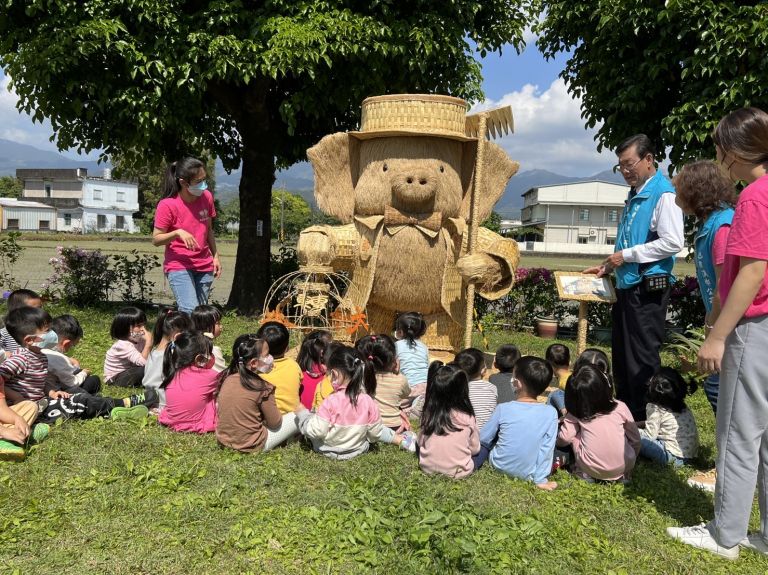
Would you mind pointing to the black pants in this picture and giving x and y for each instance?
(131, 377)
(80, 406)
(638, 331)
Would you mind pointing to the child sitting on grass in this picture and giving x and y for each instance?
(669, 433)
(15, 426)
(311, 360)
(285, 374)
(482, 394)
(64, 373)
(348, 421)
(249, 420)
(169, 324)
(17, 298)
(590, 356)
(413, 356)
(559, 357)
(207, 320)
(125, 360)
(391, 386)
(448, 440)
(190, 384)
(25, 371)
(521, 434)
(506, 357)
(599, 428)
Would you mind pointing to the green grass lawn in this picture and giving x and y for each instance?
(117, 497)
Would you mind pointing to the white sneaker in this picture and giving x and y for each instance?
(699, 536)
(756, 543)
(704, 480)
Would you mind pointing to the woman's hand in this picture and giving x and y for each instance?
(711, 355)
(189, 240)
(216, 266)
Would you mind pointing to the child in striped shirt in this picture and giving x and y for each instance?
(391, 386)
(18, 298)
(482, 394)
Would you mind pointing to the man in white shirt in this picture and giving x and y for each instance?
(649, 237)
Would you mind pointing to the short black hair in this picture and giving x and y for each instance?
(26, 320)
(668, 389)
(506, 357)
(643, 146)
(471, 361)
(125, 319)
(558, 355)
(588, 393)
(533, 373)
(277, 337)
(67, 327)
(20, 297)
(205, 318)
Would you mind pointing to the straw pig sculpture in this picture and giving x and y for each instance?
(401, 187)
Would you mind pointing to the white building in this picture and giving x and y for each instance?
(84, 203)
(577, 213)
(24, 216)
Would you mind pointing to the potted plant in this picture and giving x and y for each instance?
(600, 322)
(686, 347)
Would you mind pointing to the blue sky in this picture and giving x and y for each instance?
(549, 132)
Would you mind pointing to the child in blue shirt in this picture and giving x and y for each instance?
(520, 436)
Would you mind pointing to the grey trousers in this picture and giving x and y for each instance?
(742, 433)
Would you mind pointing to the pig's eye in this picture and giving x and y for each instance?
(384, 167)
(442, 169)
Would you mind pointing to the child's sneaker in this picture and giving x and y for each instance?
(11, 452)
(409, 441)
(756, 543)
(135, 413)
(42, 405)
(704, 480)
(40, 432)
(150, 398)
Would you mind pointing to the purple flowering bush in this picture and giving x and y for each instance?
(533, 295)
(81, 277)
(686, 308)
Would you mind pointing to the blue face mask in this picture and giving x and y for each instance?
(48, 340)
(198, 188)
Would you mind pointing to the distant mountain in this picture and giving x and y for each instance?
(298, 179)
(510, 203)
(14, 155)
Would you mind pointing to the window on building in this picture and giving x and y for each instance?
(610, 241)
(44, 225)
(67, 219)
(121, 196)
(13, 224)
(101, 222)
(613, 215)
(47, 189)
(584, 214)
(120, 222)
(583, 239)
(97, 195)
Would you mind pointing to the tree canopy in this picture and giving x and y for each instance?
(10, 187)
(292, 210)
(670, 69)
(252, 82)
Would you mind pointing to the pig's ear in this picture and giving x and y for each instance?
(497, 169)
(335, 160)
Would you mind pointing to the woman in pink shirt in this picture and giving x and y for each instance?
(599, 428)
(190, 384)
(183, 224)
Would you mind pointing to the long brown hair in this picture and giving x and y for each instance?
(703, 188)
(744, 133)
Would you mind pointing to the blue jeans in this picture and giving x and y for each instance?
(655, 450)
(557, 400)
(712, 390)
(190, 288)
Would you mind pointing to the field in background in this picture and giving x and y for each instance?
(33, 268)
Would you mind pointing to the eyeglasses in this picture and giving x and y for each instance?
(625, 168)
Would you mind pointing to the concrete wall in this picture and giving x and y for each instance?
(568, 248)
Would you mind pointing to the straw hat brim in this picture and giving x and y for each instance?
(368, 135)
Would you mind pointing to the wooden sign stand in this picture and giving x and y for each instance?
(584, 288)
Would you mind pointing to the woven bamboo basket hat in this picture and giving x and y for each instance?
(413, 115)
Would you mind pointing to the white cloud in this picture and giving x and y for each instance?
(549, 132)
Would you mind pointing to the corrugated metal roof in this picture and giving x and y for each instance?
(14, 203)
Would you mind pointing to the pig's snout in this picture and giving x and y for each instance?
(415, 187)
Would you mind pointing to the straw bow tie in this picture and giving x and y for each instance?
(430, 221)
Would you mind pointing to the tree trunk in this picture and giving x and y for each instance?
(252, 266)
